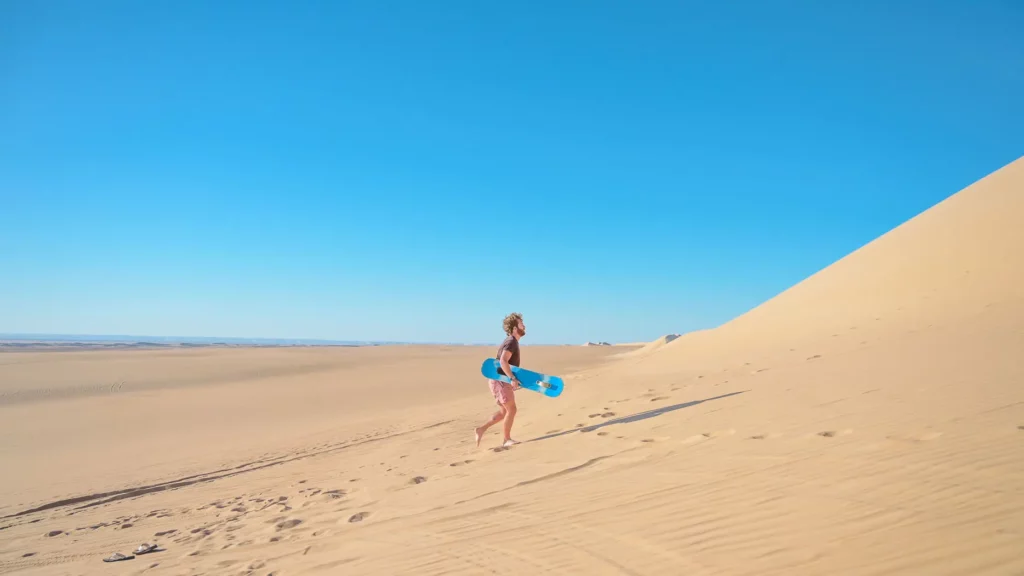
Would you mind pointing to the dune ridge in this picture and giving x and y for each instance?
(951, 262)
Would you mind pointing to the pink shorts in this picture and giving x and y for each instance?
(503, 392)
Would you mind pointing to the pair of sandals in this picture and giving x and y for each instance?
(142, 549)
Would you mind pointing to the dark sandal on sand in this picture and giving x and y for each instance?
(117, 557)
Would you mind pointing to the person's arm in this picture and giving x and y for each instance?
(505, 355)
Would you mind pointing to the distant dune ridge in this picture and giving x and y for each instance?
(643, 348)
(869, 420)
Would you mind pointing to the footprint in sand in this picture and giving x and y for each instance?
(758, 437)
(827, 433)
(816, 356)
(358, 517)
(658, 398)
(460, 463)
(288, 524)
(418, 480)
(602, 433)
(53, 533)
(164, 533)
(1020, 427)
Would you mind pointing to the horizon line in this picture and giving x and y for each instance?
(213, 340)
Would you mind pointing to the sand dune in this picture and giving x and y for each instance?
(870, 420)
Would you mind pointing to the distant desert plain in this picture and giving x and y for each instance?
(869, 420)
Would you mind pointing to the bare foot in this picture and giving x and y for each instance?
(479, 435)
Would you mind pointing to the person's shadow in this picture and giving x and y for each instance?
(635, 417)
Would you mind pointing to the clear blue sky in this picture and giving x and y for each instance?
(414, 170)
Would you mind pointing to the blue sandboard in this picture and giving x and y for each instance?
(546, 385)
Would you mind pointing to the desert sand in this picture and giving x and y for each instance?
(870, 420)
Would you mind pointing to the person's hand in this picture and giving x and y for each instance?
(515, 383)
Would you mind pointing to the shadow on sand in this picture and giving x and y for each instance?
(635, 417)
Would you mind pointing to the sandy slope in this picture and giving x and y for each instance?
(867, 421)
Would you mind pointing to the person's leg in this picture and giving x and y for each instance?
(494, 420)
(510, 416)
(498, 391)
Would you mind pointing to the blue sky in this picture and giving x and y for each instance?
(415, 170)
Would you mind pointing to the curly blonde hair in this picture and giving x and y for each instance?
(511, 321)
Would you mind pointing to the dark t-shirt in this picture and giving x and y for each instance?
(511, 344)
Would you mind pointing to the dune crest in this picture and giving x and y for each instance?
(947, 263)
(954, 261)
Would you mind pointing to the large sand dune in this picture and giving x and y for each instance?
(870, 420)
